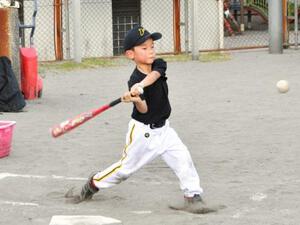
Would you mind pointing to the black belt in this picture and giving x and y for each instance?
(157, 125)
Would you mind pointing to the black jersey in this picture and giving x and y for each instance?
(156, 95)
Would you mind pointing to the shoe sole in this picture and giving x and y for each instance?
(201, 210)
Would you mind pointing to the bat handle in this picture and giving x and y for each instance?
(115, 102)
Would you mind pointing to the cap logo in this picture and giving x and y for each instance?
(141, 31)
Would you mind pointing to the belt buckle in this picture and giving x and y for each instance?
(154, 126)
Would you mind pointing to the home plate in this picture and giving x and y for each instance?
(83, 220)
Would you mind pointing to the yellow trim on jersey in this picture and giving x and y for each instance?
(124, 157)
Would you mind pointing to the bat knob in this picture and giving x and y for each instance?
(56, 131)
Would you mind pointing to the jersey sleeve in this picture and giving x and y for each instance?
(160, 66)
(130, 83)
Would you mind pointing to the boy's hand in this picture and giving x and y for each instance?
(137, 89)
(130, 97)
(126, 97)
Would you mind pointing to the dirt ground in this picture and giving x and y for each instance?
(243, 136)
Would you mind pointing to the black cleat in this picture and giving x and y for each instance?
(87, 192)
(195, 205)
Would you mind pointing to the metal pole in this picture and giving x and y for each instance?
(186, 26)
(242, 15)
(296, 23)
(67, 29)
(77, 30)
(21, 21)
(194, 24)
(275, 27)
(221, 24)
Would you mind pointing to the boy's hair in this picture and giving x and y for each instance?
(137, 36)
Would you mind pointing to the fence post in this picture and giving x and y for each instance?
(186, 26)
(242, 16)
(296, 22)
(58, 38)
(77, 30)
(285, 26)
(221, 23)
(176, 26)
(67, 28)
(275, 27)
(194, 25)
(21, 21)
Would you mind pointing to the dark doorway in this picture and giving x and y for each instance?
(126, 14)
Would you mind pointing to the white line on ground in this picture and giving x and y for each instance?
(5, 175)
(257, 197)
(142, 212)
(80, 219)
(242, 212)
(18, 203)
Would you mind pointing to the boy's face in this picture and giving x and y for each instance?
(143, 54)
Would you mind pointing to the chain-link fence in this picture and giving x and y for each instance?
(43, 38)
(292, 21)
(221, 24)
(245, 23)
(105, 23)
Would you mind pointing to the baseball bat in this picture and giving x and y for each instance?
(70, 124)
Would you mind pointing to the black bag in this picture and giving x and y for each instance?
(11, 98)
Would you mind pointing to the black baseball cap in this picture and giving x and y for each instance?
(138, 35)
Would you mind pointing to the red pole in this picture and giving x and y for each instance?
(176, 26)
(58, 42)
(4, 33)
(285, 23)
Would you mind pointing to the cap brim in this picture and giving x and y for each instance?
(154, 36)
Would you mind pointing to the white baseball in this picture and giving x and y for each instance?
(283, 86)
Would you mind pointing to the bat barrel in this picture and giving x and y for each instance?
(70, 124)
(56, 131)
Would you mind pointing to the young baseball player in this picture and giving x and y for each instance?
(149, 132)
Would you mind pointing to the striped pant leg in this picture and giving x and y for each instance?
(178, 158)
(136, 154)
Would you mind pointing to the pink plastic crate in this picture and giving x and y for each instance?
(6, 133)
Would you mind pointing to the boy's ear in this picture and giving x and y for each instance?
(129, 54)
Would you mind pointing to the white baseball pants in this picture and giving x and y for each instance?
(144, 144)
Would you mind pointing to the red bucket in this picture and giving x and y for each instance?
(6, 133)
